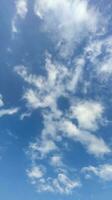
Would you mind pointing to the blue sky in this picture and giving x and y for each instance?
(55, 99)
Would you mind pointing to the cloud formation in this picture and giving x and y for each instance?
(104, 171)
(88, 113)
(21, 7)
(78, 123)
(61, 184)
(68, 21)
(71, 24)
(10, 111)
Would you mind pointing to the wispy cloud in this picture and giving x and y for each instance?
(1, 101)
(6, 111)
(60, 184)
(94, 145)
(10, 111)
(68, 21)
(44, 91)
(44, 94)
(99, 53)
(104, 171)
(20, 13)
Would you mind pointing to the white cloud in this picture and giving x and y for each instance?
(35, 172)
(99, 53)
(21, 8)
(32, 98)
(68, 20)
(106, 67)
(88, 114)
(1, 101)
(25, 115)
(61, 184)
(14, 28)
(44, 95)
(56, 161)
(65, 185)
(6, 111)
(21, 11)
(10, 111)
(94, 145)
(42, 148)
(43, 91)
(104, 172)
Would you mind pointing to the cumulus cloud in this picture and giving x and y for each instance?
(88, 113)
(104, 171)
(68, 21)
(35, 172)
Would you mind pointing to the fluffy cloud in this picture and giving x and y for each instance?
(104, 172)
(68, 21)
(35, 172)
(88, 113)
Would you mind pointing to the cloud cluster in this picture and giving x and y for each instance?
(81, 119)
(99, 53)
(49, 89)
(88, 113)
(94, 145)
(60, 184)
(69, 21)
(70, 24)
(104, 171)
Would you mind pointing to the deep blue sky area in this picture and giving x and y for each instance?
(55, 100)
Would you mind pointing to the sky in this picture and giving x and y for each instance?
(55, 99)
